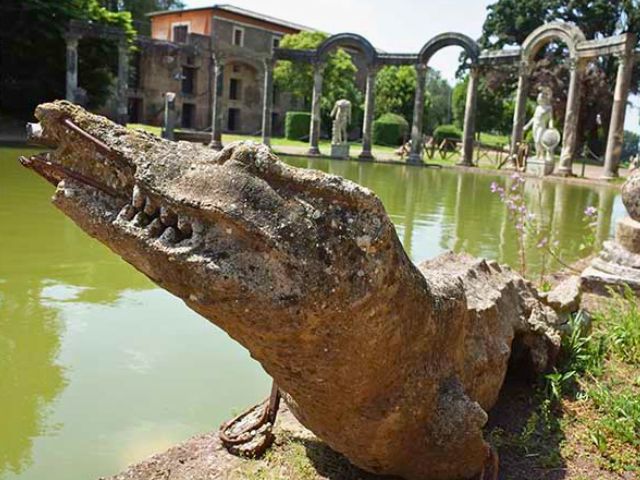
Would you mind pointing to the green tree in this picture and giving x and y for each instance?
(495, 113)
(338, 78)
(395, 91)
(509, 22)
(630, 145)
(437, 103)
(139, 10)
(32, 52)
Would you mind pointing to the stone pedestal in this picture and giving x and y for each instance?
(538, 167)
(340, 150)
(618, 264)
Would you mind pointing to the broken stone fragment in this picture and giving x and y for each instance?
(566, 296)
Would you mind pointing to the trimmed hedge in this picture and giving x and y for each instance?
(296, 125)
(446, 131)
(390, 129)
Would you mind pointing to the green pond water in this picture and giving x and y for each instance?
(99, 368)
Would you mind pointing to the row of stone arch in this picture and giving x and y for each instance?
(580, 50)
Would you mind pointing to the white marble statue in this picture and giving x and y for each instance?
(541, 122)
(341, 115)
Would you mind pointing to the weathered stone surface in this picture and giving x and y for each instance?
(631, 195)
(628, 234)
(614, 267)
(391, 364)
(618, 264)
(566, 296)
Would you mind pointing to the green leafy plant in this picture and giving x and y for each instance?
(390, 129)
(296, 125)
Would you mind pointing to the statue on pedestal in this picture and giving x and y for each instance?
(545, 137)
(341, 114)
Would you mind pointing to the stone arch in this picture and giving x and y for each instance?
(569, 34)
(449, 39)
(242, 91)
(426, 52)
(352, 40)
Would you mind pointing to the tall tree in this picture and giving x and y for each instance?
(139, 10)
(395, 91)
(509, 22)
(338, 82)
(32, 52)
(438, 107)
(495, 112)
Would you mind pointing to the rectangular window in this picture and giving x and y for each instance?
(234, 89)
(275, 42)
(233, 119)
(180, 33)
(188, 115)
(238, 36)
(188, 80)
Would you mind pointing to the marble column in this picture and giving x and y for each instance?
(415, 156)
(122, 85)
(520, 110)
(267, 100)
(216, 108)
(618, 110)
(571, 116)
(369, 109)
(468, 134)
(314, 127)
(169, 115)
(72, 67)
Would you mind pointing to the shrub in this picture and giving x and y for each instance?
(296, 125)
(390, 129)
(446, 131)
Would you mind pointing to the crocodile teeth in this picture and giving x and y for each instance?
(127, 213)
(185, 227)
(155, 227)
(150, 208)
(137, 199)
(140, 220)
(167, 217)
(169, 236)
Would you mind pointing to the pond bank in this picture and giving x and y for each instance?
(591, 177)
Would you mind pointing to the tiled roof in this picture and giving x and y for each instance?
(241, 11)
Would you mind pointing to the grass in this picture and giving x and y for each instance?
(587, 411)
(291, 146)
(493, 139)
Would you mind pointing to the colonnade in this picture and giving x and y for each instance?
(581, 51)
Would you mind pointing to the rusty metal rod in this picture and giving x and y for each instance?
(103, 147)
(45, 166)
(268, 415)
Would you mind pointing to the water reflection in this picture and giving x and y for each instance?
(438, 210)
(39, 248)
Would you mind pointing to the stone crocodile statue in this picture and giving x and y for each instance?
(392, 364)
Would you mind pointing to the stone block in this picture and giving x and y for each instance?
(628, 234)
(340, 150)
(566, 296)
(539, 168)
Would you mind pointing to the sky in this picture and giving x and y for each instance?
(396, 26)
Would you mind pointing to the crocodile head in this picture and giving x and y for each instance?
(237, 234)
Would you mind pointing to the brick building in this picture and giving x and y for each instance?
(179, 58)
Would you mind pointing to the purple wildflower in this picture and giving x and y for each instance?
(590, 211)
